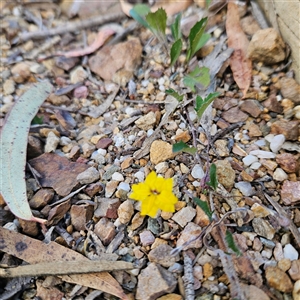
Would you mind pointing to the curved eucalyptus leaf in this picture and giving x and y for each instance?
(13, 138)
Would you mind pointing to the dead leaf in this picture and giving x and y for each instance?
(102, 36)
(240, 64)
(57, 172)
(34, 251)
(14, 136)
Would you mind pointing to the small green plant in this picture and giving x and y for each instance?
(202, 104)
(213, 181)
(231, 243)
(157, 23)
(204, 206)
(198, 77)
(181, 146)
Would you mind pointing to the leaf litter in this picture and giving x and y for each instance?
(99, 135)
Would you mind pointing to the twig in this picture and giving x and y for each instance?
(71, 27)
(282, 214)
(65, 235)
(188, 277)
(67, 197)
(65, 268)
(47, 45)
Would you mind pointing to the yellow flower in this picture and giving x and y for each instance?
(155, 193)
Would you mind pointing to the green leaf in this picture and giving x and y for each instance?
(199, 76)
(213, 177)
(195, 36)
(174, 94)
(138, 12)
(203, 40)
(181, 146)
(13, 150)
(37, 120)
(175, 51)
(158, 23)
(201, 105)
(204, 206)
(207, 3)
(231, 244)
(175, 28)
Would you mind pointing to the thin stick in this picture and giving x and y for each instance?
(188, 277)
(71, 27)
(65, 268)
(68, 197)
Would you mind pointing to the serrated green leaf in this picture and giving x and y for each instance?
(181, 146)
(14, 136)
(158, 22)
(195, 35)
(199, 76)
(201, 105)
(174, 94)
(231, 244)
(213, 181)
(204, 206)
(175, 51)
(175, 28)
(138, 12)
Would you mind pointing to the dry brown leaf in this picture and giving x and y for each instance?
(57, 172)
(34, 251)
(240, 64)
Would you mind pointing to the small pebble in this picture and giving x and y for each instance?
(262, 154)
(245, 188)
(197, 172)
(147, 238)
(117, 176)
(277, 142)
(249, 159)
(279, 175)
(140, 176)
(290, 252)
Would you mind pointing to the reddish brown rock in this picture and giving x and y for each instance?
(155, 281)
(41, 198)
(234, 115)
(105, 230)
(288, 162)
(29, 227)
(107, 208)
(290, 89)
(80, 215)
(267, 46)
(252, 107)
(104, 143)
(290, 129)
(278, 279)
(254, 130)
(294, 271)
(290, 192)
(94, 188)
(110, 60)
(272, 104)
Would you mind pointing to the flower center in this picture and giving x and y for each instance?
(155, 192)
